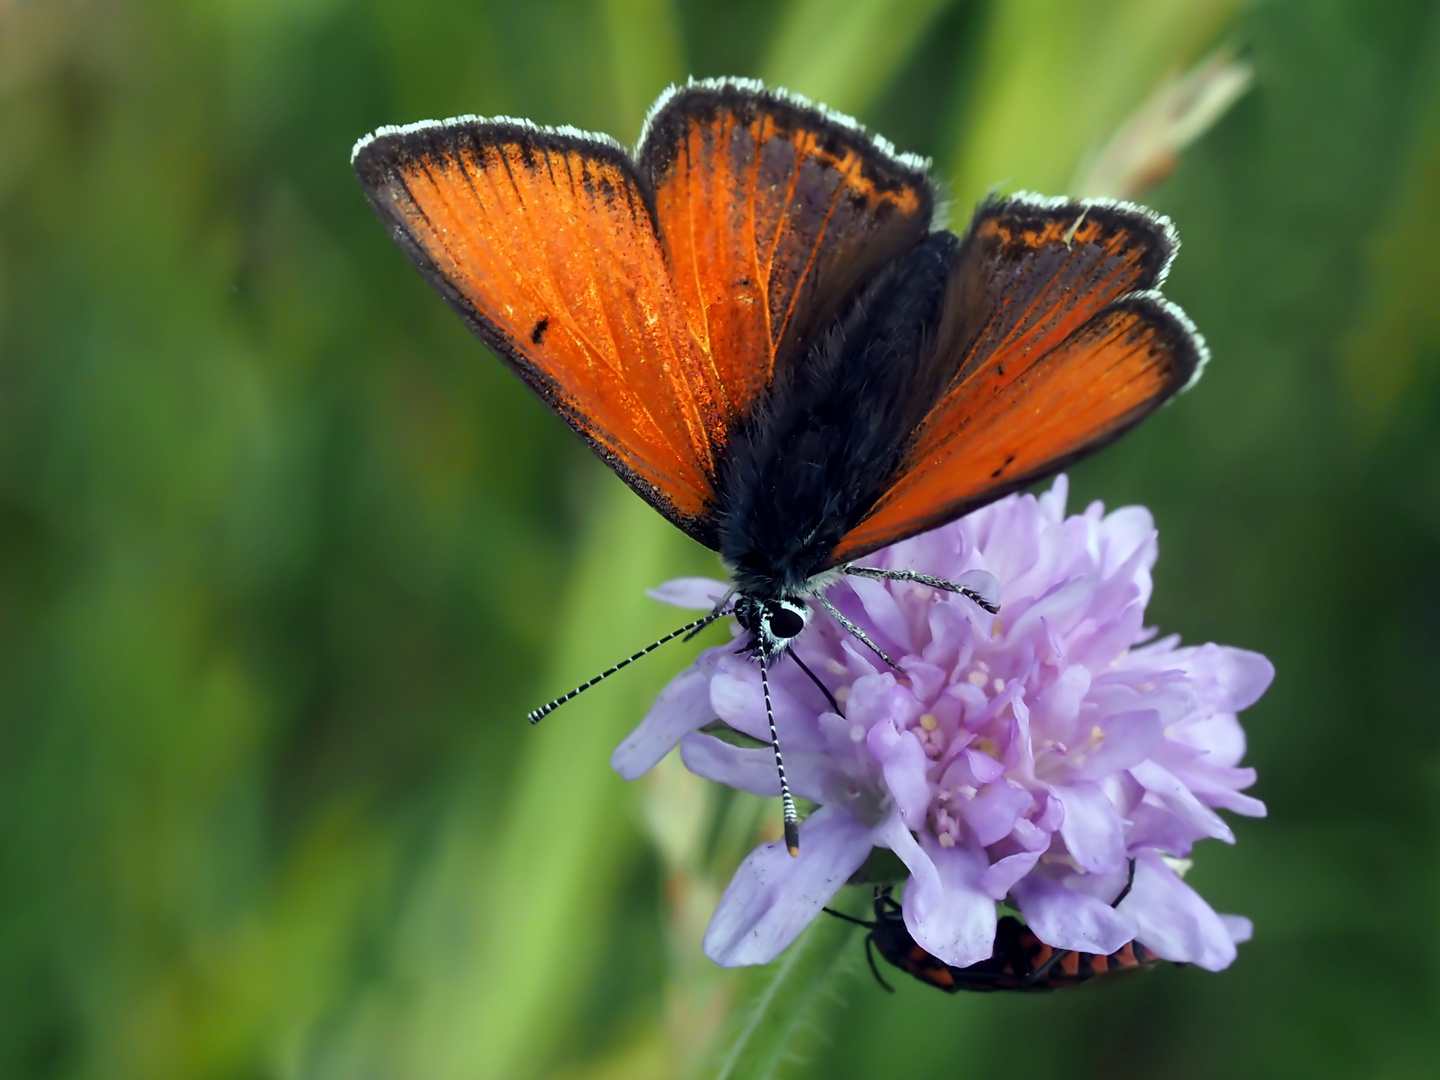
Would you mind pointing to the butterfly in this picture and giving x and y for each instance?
(754, 320)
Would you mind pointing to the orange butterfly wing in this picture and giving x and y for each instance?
(1061, 345)
(772, 214)
(545, 244)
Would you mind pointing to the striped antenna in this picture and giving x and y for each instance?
(536, 715)
(787, 801)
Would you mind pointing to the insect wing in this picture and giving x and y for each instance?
(1060, 345)
(544, 242)
(772, 214)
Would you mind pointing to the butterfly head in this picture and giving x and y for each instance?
(771, 623)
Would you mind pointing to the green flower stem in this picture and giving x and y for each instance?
(781, 998)
(569, 829)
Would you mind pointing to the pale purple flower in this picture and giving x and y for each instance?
(1030, 755)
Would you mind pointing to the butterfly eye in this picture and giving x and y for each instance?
(784, 622)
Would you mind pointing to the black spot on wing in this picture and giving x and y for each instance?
(1007, 463)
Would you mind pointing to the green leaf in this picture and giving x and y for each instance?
(727, 734)
(781, 999)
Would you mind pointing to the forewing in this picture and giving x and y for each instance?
(1059, 345)
(544, 242)
(772, 214)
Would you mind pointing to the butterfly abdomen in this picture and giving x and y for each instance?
(824, 441)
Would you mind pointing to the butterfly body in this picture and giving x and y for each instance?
(754, 322)
(817, 452)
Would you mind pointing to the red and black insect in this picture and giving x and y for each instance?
(1021, 961)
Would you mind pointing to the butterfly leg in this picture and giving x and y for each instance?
(855, 630)
(983, 597)
(834, 705)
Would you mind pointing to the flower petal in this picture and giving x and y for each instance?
(1125, 531)
(774, 896)
(744, 768)
(926, 680)
(983, 584)
(1066, 919)
(885, 614)
(956, 922)
(696, 593)
(1218, 786)
(983, 767)
(752, 769)
(874, 698)
(682, 707)
(1228, 679)
(1238, 927)
(1125, 739)
(1179, 798)
(736, 696)
(993, 812)
(903, 761)
(1219, 736)
(1161, 828)
(1030, 836)
(1055, 710)
(1002, 874)
(950, 629)
(1052, 502)
(1093, 830)
(893, 834)
(1173, 921)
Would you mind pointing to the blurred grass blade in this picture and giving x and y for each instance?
(843, 58)
(781, 998)
(844, 55)
(1398, 325)
(1056, 76)
(567, 831)
(647, 55)
(1147, 146)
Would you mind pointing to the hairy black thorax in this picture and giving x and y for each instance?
(824, 443)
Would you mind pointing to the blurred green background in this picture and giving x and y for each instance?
(285, 555)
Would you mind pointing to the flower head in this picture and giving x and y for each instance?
(1030, 755)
